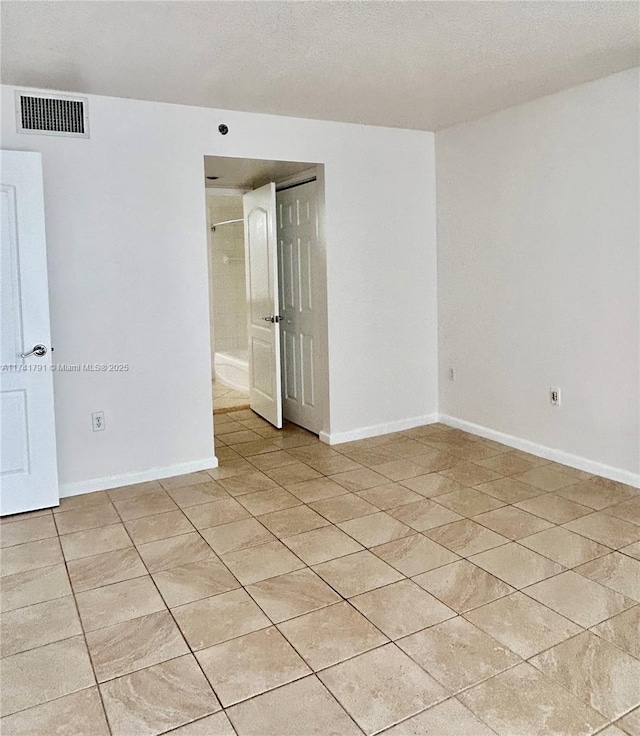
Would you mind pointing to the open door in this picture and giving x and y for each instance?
(261, 259)
(28, 469)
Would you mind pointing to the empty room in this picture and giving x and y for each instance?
(320, 376)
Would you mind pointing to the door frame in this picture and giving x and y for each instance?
(316, 169)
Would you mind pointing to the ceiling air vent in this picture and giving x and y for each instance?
(52, 115)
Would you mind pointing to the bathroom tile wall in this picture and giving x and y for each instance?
(227, 282)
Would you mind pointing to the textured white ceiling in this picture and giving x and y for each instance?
(423, 64)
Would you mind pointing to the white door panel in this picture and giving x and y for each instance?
(299, 286)
(261, 254)
(28, 468)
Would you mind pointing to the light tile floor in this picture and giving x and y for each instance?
(227, 399)
(425, 582)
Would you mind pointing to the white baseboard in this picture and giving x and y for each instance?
(116, 481)
(549, 453)
(336, 438)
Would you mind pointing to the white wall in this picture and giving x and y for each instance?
(126, 233)
(228, 288)
(538, 255)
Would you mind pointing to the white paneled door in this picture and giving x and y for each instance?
(28, 471)
(261, 259)
(300, 294)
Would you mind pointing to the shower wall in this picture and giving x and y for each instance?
(227, 277)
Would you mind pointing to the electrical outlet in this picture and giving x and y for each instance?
(452, 374)
(554, 396)
(97, 419)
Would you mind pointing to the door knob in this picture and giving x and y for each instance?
(38, 350)
(273, 318)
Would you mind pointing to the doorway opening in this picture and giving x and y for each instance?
(267, 289)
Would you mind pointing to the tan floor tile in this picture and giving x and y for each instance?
(523, 702)
(545, 479)
(399, 469)
(10, 518)
(622, 630)
(598, 494)
(462, 586)
(114, 604)
(200, 493)
(616, 571)
(470, 474)
(433, 461)
(360, 480)
(104, 569)
(321, 545)
(175, 552)
(631, 723)
(158, 698)
(28, 530)
(83, 501)
(627, 510)
(302, 708)
(250, 665)
(424, 515)
(194, 581)
(465, 537)
(237, 535)
(469, 502)
(230, 468)
(273, 460)
(578, 598)
(264, 502)
(595, 671)
(333, 465)
(291, 474)
(331, 634)
(88, 518)
(344, 507)
(632, 550)
(612, 731)
(293, 594)
(381, 687)
(405, 447)
(450, 717)
(250, 482)
(414, 554)
(458, 654)
(357, 573)
(216, 725)
(189, 479)
(508, 463)
(239, 436)
(401, 608)
(512, 522)
(132, 491)
(389, 496)
(148, 505)
(509, 490)
(206, 515)
(563, 546)
(292, 521)
(219, 618)
(77, 714)
(249, 449)
(133, 645)
(606, 529)
(375, 529)
(161, 526)
(522, 624)
(571, 472)
(259, 563)
(30, 556)
(34, 626)
(34, 586)
(94, 541)
(316, 490)
(370, 457)
(554, 508)
(43, 674)
(516, 565)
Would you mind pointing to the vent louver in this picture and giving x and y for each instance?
(52, 115)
